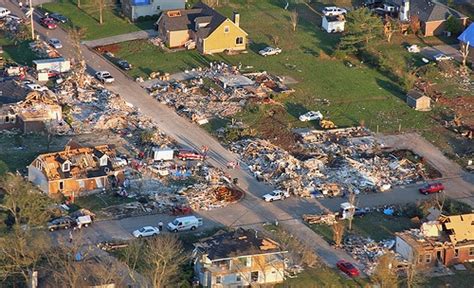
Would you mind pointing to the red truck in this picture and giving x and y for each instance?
(432, 188)
(189, 155)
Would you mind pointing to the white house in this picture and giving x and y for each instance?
(139, 8)
(333, 24)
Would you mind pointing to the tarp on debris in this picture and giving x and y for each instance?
(468, 35)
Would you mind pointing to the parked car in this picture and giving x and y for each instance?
(276, 195)
(189, 155)
(348, 268)
(310, 116)
(432, 188)
(55, 43)
(85, 221)
(413, 48)
(124, 64)
(146, 231)
(13, 17)
(184, 223)
(36, 87)
(104, 77)
(333, 11)
(61, 223)
(4, 12)
(58, 18)
(442, 57)
(269, 51)
(48, 22)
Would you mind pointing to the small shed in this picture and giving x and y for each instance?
(419, 101)
(333, 24)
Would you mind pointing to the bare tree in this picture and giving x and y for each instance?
(162, 257)
(414, 277)
(415, 24)
(275, 40)
(79, 71)
(391, 26)
(464, 49)
(352, 200)
(101, 5)
(338, 233)
(294, 19)
(20, 252)
(78, 3)
(23, 202)
(385, 274)
(132, 255)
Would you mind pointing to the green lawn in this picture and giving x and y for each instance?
(87, 17)
(356, 94)
(376, 226)
(96, 202)
(20, 53)
(322, 277)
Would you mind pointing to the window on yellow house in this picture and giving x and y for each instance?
(239, 40)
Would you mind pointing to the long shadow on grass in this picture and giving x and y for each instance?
(392, 88)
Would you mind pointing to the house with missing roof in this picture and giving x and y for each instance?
(238, 258)
(203, 28)
(446, 241)
(432, 15)
(75, 170)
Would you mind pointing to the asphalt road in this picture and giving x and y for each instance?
(248, 212)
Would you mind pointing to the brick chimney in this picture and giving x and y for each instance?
(236, 18)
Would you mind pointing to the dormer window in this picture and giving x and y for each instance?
(103, 160)
(66, 167)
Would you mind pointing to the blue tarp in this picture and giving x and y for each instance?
(140, 2)
(468, 35)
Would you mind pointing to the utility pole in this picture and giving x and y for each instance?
(31, 20)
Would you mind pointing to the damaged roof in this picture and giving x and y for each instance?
(11, 92)
(84, 162)
(459, 227)
(186, 19)
(238, 243)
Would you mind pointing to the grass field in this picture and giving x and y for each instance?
(87, 17)
(322, 277)
(356, 94)
(376, 226)
(96, 202)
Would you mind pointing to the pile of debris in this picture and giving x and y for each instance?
(366, 250)
(331, 162)
(328, 219)
(217, 91)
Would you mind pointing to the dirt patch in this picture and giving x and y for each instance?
(112, 48)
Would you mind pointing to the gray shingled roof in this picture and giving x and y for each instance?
(200, 13)
(428, 10)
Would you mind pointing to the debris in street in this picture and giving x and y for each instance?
(328, 219)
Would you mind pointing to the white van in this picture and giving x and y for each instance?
(4, 12)
(184, 223)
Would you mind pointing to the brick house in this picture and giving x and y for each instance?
(432, 15)
(75, 170)
(238, 259)
(448, 241)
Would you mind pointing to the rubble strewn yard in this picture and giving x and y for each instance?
(329, 163)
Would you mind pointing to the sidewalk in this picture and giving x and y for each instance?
(144, 34)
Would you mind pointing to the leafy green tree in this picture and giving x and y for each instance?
(3, 168)
(362, 27)
(453, 25)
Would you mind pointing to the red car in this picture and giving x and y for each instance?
(189, 155)
(432, 188)
(48, 23)
(347, 268)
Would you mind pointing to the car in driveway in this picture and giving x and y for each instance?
(333, 11)
(61, 223)
(124, 65)
(269, 51)
(276, 195)
(442, 57)
(48, 22)
(146, 231)
(432, 188)
(310, 116)
(189, 155)
(58, 18)
(347, 268)
(55, 43)
(104, 77)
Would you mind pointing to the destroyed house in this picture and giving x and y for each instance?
(75, 170)
(447, 241)
(238, 258)
(10, 94)
(201, 27)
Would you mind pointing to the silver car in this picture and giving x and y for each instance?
(55, 43)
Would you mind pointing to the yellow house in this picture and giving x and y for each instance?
(202, 27)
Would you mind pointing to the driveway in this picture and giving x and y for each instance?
(449, 50)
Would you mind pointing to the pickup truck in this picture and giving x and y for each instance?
(104, 77)
(276, 195)
(189, 155)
